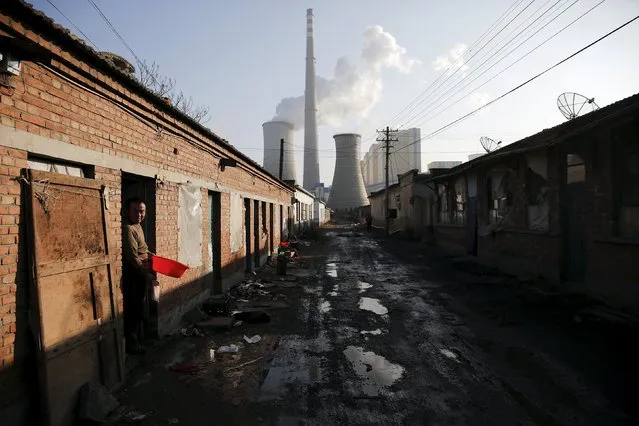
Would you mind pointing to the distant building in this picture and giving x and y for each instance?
(405, 155)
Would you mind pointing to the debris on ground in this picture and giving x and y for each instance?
(253, 339)
(230, 349)
(192, 331)
(218, 305)
(96, 403)
(216, 323)
(134, 417)
(244, 364)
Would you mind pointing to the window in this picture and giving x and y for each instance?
(61, 167)
(459, 213)
(626, 168)
(499, 195)
(575, 169)
(537, 191)
(442, 197)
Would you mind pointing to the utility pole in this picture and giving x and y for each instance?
(281, 157)
(387, 140)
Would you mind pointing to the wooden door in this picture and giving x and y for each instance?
(74, 300)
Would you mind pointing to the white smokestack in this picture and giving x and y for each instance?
(274, 132)
(348, 190)
(311, 158)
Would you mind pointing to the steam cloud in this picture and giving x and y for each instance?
(353, 91)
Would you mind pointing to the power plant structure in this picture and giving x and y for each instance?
(274, 133)
(311, 157)
(348, 190)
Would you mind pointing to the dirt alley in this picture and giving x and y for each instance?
(391, 332)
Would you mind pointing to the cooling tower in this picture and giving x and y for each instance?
(347, 189)
(274, 132)
(311, 158)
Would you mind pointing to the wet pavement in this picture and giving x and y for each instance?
(372, 339)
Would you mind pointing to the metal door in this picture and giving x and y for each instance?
(74, 300)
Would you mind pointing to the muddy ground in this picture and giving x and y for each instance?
(391, 332)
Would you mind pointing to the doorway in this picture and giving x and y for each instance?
(573, 220)
(281, 224)
(256, 233)
(215, 236)
(247, 234)
(271, 224)
(143, 188)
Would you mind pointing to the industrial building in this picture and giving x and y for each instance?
(279, 144)
(405, 155)
(347, 191)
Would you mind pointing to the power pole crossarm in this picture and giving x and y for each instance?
(387, 146)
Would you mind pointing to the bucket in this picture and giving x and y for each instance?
(168, 267)
(281, 266)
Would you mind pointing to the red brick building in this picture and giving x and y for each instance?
(562, 204)
(71, 112)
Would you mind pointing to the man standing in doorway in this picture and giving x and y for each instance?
(136, 274)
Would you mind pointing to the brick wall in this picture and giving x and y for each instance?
(515, 248)
(82, 103)
(611, 270)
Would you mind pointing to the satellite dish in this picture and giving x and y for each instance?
(572, 105)
(489, 144)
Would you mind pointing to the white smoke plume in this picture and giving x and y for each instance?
(454, 57)
(354, 90)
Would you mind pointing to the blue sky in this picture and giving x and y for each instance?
(241, 58)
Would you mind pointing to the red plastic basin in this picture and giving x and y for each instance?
(168, 267)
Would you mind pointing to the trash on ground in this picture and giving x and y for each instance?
(192, 331)
(212, 354)
(245, 364)
(217, 306)
(216, 322)
(252, 316)
(238, 323)
(230, 349)
(134, 417)
(96, 403)
(253, 339)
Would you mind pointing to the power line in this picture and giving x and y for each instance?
(464, 117)
(514, 5)
(432, 109)
(472, 56)
(513, 63)
(494, 25)
(509, 40)
(74, 25)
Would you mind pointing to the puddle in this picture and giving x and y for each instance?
(373, 305)
(305, 371)
(449, 354)
(331, 270)
(362, 286)
(373, 332)
(377, 373)
(325, 306)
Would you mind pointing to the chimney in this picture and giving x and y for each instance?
(311, 160)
